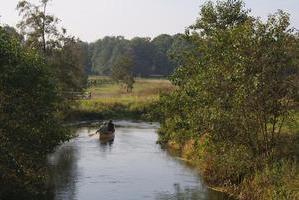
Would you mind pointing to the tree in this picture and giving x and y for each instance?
(87, 54)
(122, 72)
(39, 28)
(13, 32)
(68, 64)
(236, 84)
(179, 51)
(30, 122)
(62, 52)
(142, 52)
(161, 62)
(106, 52)
(151, 57)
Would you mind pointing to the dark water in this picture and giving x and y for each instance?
(132, 167)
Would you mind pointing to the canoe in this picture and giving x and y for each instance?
(109, 135)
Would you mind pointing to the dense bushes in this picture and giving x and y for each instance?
(235, 92)
(30, 123)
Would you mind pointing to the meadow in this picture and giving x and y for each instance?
(109, 99)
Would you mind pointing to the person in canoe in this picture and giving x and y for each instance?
(106, 128)
(106, 131)
(111, 127)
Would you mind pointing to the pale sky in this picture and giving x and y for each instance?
(93, 19)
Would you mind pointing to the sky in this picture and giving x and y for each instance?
(93, 19)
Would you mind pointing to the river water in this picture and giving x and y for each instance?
(132, 167)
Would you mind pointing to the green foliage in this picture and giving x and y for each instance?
(86, 55)
(30, 123)
(220, 16)
(105, 52)
(151, 57)
(180, 49)
(39, 28)
(122, 72)
(13, 32)
(237, 86)
(68, 57)
(68, 65)
(142, 51)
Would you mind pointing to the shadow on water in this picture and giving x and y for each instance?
(63, 171)
(130, 167)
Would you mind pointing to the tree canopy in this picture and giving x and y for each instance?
(64, 53)
(235, 90)
(30, 122)
(122, 72)
(150, 57)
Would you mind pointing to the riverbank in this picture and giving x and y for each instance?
(109, 100)
(229, 168)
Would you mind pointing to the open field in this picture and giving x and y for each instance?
(110, 100)
(149, 88)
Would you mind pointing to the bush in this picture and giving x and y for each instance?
(30, 123)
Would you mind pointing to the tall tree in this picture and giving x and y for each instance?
(87, 54)
(62, 52)
(179, 51)
(106, 52)
(39, 27)
(161, 62)
(151, 57)
(237, 78)
(68, 64)
(142, 52)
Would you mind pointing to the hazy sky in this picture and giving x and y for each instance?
(94, 19)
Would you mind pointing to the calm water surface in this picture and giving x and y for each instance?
(132, 167)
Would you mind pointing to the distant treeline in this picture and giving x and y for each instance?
(151, 57)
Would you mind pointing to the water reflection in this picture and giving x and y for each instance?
(63, 172)
(130, 167)
(106, 145)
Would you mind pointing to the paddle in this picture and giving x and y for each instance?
(99, 130)
(92, 134)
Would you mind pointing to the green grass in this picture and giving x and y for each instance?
(110, 100)
(142, 88)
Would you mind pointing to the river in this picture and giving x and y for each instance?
(132, 167)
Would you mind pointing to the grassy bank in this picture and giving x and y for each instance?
(231, 169)
(110, 101)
